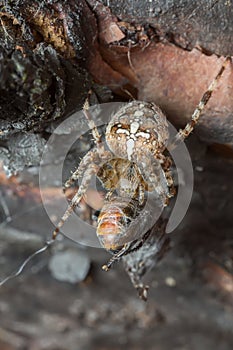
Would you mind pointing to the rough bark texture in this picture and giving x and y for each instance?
(187, 23)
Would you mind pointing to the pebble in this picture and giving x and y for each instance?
(69, 266)
(170, 281)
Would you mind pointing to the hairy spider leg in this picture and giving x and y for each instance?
(78, 173)
(89, 166)
(166, 163)
(155, 178)
(91, 155)
(127, 249)
(92, 126)
(90, 171)
(184, 133)
(117, 256)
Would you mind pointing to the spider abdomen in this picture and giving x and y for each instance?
(113, 221)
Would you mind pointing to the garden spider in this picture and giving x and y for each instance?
(133, 164)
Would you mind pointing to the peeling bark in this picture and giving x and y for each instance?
(160, 69)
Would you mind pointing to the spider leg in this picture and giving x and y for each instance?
(184, 133)
(129, 59)
(166, 165)
(95, 133)
(135, 245)
(90, 157)
(89, 166)
(153, 174)
(90, 170)
(117, 256)
(127, 249)
(141, 194)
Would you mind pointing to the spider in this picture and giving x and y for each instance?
(133, 163)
